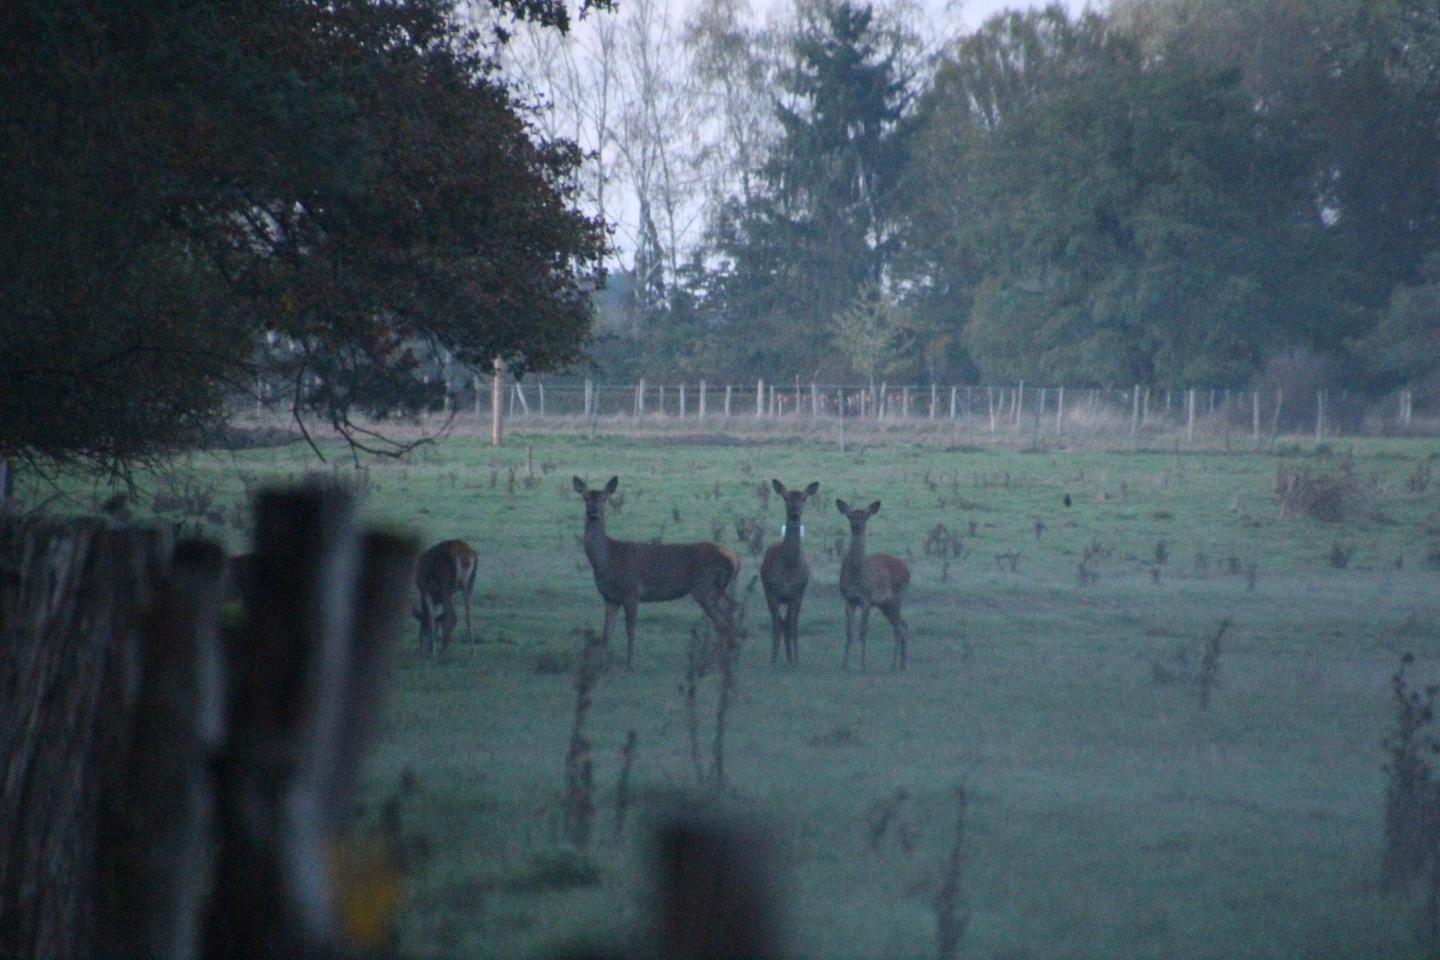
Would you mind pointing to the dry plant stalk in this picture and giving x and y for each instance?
(951, 915)
(1210, 665)
(579, 770)
(622, 787)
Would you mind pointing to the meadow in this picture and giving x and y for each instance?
(1054, 665)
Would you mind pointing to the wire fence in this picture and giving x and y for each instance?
(987, 408)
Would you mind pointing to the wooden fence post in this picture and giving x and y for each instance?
(1019, 401)
(661, 409)
(682, 401)
(954, 392)
(702, 400)
(1255, 416)
(814, 401)
(640, 398)
(759, 398)
(727, 399)
(540, 388)
(1060, 411)
(1190, 415)
(1319, 415)
(497, 401)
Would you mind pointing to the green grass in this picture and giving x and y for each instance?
(1109, 816)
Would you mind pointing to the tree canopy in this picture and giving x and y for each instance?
(198, 192)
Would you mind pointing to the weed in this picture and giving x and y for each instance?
(1209, 677)
(579, 771)
(951, 914)
(622, 786)
(1412, 795)
(1339, 556)
(1419, 480)
(887, 812)
(1331, 496)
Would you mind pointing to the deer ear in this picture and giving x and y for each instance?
(810, 490)
(614, 482)
(842, 506)
(779, 487)
(874, 508)
(579, 484)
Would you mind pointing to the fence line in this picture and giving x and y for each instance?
(1018, 407)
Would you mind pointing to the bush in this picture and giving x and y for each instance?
(1328, 495)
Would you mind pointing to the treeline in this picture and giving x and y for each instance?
(1169, 192)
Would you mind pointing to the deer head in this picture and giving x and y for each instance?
(794, 499)
(857, 518)
(595, 499)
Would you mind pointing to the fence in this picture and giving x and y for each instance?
(991, 408)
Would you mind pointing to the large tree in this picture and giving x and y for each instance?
(190, 191)
(820, 220)
(1125, 219)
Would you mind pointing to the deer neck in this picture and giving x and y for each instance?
(855, 558)
(597, 544)
(790, 542)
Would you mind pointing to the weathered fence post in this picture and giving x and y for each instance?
(842, 419)
(682, 401)
(1190, 415)
(954, 392)
(990, 399)
(1319, 415)
(540, 388)
(640, 398)
(814, 401)
(1060, 411)
(727, 399)
(497, 398)
(702, 400)
(1255, 416)
(759, 398)
(1019, 401)
(661, 409)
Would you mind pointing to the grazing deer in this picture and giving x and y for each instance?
(784, 573)
(878, 580)
(445, 568)
(629, 573)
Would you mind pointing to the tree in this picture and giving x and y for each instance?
(183, 185)
(1125, 220)
(821, 221)
(873, 333)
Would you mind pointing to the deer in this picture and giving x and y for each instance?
(628, 573)
(784, 573)
(442, 571)
(877, 580)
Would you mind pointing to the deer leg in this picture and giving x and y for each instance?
(611, 609)
(902, 635)
(864, 625)
(792, 630)
(427, 625)
(777, 628)
(631, 610)
(447, 624)
(849, 633)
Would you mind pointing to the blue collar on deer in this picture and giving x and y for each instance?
(784, 525)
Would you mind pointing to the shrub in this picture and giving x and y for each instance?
(1331, 496)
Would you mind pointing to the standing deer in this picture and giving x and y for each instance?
(629, 573)
(445, 568)
(878, 580)
(784, 573)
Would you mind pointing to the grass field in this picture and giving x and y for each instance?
(1110, 816)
